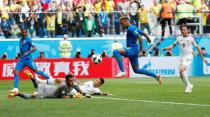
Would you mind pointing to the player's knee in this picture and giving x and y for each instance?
(16, 72)
(135, 70)
(115, 52)
(35, 70)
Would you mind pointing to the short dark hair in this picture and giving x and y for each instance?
(184, 25)
(203, 48)
(102, 80)
(69, 76)
(124, 17)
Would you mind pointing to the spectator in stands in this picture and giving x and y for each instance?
(65, 47)
(17, 57)
(78, 54)
(185, 14)
(59, 20)
(155, 10)
(73, 23)
(5, 10)
(80, 19)
(203, 50)
(32, 19)
(156, 50)
(6, 27)
(143, 18)
(143, 53)
(133, 8)
(41, 24)
(203, 8)
(208, 20)
(117, 26)
(116, 45)
(89, 25)
(104, 54)
(123, 7)
(24, 15)
(103, 19)
(4, 56)
(166, 16)
(169, 53)
(41, 56)
(92, 52)
(111, 16)
(15, 31)
(50, 20)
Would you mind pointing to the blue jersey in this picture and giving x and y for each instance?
(25, 46)
(132, 36)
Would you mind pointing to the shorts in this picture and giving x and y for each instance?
(25, 62)
(133, 54)
(186, 59)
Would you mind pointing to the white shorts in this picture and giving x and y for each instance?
(186, 59)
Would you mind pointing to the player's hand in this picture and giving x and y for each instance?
(25, 54)
(205, 61)
(164, 49)
(149, 41)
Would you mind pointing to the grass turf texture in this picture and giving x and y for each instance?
(131, 99)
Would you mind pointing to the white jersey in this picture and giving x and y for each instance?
(186, 45)
(89, 88)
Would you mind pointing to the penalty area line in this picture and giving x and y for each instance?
(150, 101)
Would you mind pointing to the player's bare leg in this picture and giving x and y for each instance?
(184, 76)
(159, 79)
(118, 53)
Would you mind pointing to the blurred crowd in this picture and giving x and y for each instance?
(54, 18)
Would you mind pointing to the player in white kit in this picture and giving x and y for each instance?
(89, 87)
(186, 43)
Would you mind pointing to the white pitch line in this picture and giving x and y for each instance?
(145, 83)
(149, 101)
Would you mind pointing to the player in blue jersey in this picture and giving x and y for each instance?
(132, 50)
(26, 48)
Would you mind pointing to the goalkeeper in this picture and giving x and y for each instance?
(50, 91)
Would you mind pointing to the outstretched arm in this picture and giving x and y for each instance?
(170, 47)
(30, 51)
(201, 54)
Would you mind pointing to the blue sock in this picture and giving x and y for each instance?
(43, 74)
(145, 72)
(119, 60)
(16, 80)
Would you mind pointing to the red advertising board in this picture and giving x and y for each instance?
(57, 68)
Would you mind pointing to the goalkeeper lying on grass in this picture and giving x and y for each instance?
(51, 91)
(88, 88)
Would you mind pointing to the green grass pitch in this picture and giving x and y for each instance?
(132, 98)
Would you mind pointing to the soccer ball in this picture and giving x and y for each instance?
(96, 58)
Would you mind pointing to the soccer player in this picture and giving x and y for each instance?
(186, 43)
(89, 87)
(26, 48)
(132, 50)
(49, 91)
(92, 88)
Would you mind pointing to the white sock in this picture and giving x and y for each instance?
(185, 78)
(51, 81)
(38, 80)
(47, 81)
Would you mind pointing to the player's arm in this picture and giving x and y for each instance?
(139, 33)
(201, 54)
(199, 50)
(171, 46)
(34, 48)
(76, 87)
